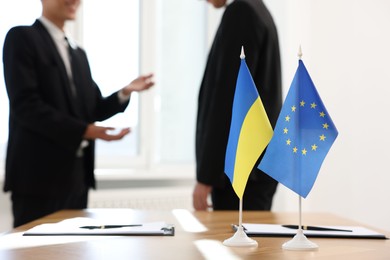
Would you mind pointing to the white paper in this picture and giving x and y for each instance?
(73, 227)
(279, 230)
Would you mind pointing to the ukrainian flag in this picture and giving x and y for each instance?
(250, 130)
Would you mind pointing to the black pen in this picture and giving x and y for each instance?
(316, 228)
(110, 226)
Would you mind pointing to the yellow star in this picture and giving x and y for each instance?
(285, 130)
(287, 118)
(322, 137)
(314, 147)
(288, 142)
(302, 103)
(304, 152)
(293, 108)
(322, 114)
(295, 149)
(326, 126)
(313, 105)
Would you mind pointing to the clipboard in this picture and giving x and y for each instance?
(74, 227)
(275, 230)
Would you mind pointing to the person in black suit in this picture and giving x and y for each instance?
(54, 104)
(245, 23)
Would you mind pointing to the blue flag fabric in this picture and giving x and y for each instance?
(303, 135)
(250, 131)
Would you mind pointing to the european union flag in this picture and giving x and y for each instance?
(302, 137)
(250, 130)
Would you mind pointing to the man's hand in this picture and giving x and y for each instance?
(141, 83)
(99, 132)
(200, 195)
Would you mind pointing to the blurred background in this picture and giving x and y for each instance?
(345, 46)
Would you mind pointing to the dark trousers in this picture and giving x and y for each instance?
(28, 207)
(258, 194)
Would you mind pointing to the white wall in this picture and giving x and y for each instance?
(5, 211)
(180, 59)
(346, 49)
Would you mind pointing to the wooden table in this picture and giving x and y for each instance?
(199, 235)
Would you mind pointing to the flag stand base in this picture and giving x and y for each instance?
(300, 242)
(240, 239)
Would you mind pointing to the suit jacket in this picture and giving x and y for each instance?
(47, 122)
(244, 23)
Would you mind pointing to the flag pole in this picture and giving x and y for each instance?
(300, 197)
(240, 214)
(245, 85)
(300, 212)
(300, 241)
(240, 238)
(304, 113)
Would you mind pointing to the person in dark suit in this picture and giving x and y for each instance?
(245, 23)
(54, 104)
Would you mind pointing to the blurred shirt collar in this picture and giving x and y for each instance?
(53, 30)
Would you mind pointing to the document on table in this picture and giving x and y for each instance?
(278, 230)
(90, 227)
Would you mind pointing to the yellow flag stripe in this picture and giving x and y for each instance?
(256, 132)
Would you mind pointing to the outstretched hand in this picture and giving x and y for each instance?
(141, 83)
(104, 133)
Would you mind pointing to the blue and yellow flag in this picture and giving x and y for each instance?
(250, 131)
(303, 136)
